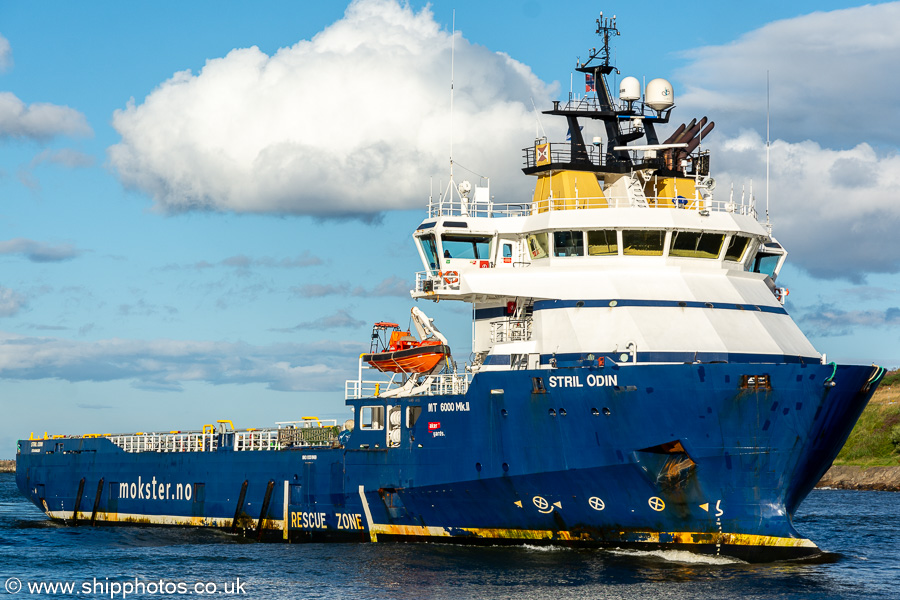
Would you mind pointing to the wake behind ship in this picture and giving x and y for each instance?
(635, 378)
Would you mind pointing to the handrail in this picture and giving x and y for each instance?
(445, 383)
(510, 330)
(463, 208)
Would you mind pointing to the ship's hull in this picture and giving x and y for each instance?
(653, 456)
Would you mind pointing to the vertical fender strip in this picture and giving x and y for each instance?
(362, 496)
(240, 505)
(285, 525)
(265, 509)
(96, 502)
(77, 503)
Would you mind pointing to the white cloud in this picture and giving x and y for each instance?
(827, 320)
(243, 262)
(352, 122)
(142, 308)
(391, 286)
(167, 364)
(832, 78)
(39, 121)
(66, 157)
(834, 169)
(6, 60)
(11, 302)
(39, 251)
(867, 293)
(339, 319)
(836, 211)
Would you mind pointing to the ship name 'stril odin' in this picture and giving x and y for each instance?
(635, 381)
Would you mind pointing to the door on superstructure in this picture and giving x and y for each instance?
(507, 254)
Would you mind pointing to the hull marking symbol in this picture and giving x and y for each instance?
(656, 504)
(518, 503)
(596, 503)
(705, 506)
(543, 506)
(719, 511)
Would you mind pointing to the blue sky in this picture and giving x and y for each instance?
(205, 205)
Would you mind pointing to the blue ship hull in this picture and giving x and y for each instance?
(681, 456)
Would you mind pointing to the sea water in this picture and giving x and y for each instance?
(860, 530)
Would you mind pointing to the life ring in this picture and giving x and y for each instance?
(451, 277)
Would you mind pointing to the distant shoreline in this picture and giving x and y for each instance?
(7, 466)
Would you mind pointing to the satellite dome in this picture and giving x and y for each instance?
(630, 89)
(659, 95)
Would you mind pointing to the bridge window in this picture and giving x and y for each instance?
(602, 243)
(694, 244)
(568, 243)
(643, 242)
(736, 247)
(466, 246)
(538, 245)
(371, 417)
(766, 264)
(430, 249)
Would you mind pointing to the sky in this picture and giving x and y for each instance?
(204, 206)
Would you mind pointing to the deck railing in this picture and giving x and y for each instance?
(445, 383)
(266, 439)
(457, 207)
(295, 433)
(166, 442)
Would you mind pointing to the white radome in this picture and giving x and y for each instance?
(659, 94)
(630, 89)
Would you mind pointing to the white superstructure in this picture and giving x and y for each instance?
(623, 253)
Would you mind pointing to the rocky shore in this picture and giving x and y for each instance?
(862, 478)
(7, 466)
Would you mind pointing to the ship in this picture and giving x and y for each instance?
(634, 381)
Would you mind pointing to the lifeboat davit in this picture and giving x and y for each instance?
(397, 351)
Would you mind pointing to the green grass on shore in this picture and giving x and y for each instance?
(890, 380)
(875, 440)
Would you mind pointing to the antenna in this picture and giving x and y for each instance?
(452, 56)
(604, 28)
(768, 224)
(537, 117)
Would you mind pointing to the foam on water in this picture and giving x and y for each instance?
(680, 556)
(545, 548)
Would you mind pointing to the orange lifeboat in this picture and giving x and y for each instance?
(396, 351)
